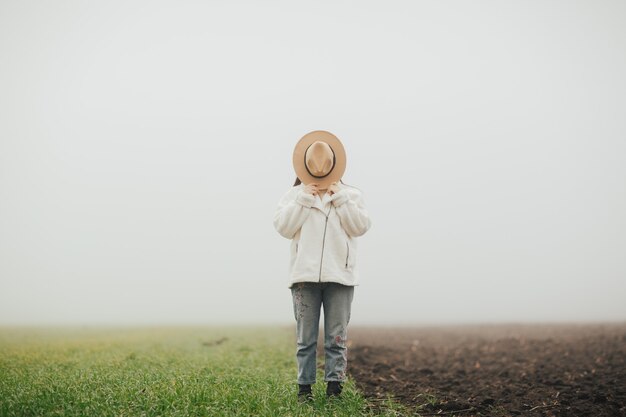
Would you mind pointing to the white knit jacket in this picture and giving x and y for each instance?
(322, 233)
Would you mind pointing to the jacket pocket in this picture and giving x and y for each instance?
(347, 254)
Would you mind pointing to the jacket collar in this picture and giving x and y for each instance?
(322, 203)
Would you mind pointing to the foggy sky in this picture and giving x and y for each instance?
(144, 147)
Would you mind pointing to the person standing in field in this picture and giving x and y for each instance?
(322, 216)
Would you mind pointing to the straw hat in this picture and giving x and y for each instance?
(319, 157)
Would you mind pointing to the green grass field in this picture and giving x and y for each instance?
(159, 371)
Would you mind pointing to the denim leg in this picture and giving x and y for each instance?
(337, 300)
(307, 301)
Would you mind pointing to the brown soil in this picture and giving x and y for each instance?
(495, 370)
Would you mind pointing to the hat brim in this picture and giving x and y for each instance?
(299, 164)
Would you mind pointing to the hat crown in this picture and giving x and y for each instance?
(319, 159)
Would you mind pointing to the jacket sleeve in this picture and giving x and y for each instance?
(351, 210)
(293, 209)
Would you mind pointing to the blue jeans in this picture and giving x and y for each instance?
(308, 297)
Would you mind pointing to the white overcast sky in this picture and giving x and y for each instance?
(144, 146)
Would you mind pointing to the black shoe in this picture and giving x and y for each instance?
(304, 393)
(333, 389)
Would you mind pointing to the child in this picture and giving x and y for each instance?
(322, 216)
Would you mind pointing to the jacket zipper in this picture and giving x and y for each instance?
(348, 255)
(323, 242)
